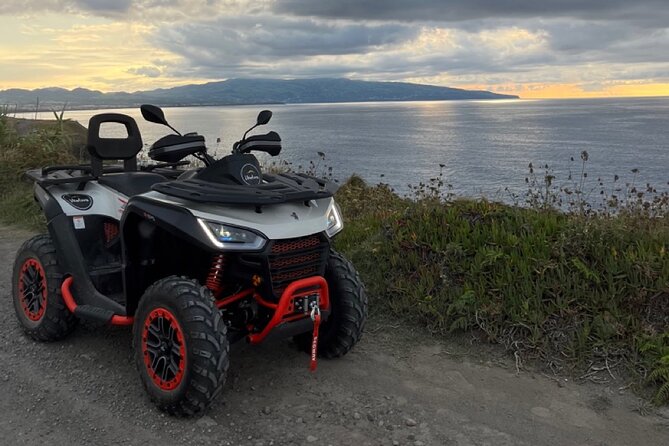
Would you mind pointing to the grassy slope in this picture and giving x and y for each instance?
(568, 289)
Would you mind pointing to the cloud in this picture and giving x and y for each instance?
(10, 7)
(463, 10)
(106, 56)
(138, 10)
(235, 46)
(148, 71)
(103, 6)
(456, 42)
(496, 43)
(447, 11)
(435, 52)
(558, 50)
(95, 7)
(580, 41)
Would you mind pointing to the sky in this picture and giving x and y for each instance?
(533, 48)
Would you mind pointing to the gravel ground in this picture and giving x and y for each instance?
(395, 388)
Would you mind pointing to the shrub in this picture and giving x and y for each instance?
(46, 145)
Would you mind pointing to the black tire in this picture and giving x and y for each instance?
(202, 344)
(36, 282)
(348, 302)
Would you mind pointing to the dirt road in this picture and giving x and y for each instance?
(392, 389)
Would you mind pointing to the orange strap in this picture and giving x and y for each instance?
(316, 316)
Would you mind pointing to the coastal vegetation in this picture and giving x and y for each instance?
(23, 147)
(580, 291)
(571, 275)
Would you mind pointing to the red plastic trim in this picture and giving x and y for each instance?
(39, 269)
(71, 304)
(283, 307)
(168, 317)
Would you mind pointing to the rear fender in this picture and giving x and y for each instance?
(50, 206)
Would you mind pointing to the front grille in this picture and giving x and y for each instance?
(287, 262)
(295, 244)
(296, 258)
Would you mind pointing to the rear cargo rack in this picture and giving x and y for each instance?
(82, 173)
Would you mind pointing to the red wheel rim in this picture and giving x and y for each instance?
(164, 349)
(32, 289)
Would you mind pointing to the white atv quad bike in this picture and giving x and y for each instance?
(192, 259)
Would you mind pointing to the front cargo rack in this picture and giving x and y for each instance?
(275, 189)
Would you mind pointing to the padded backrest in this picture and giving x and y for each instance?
(125, 149)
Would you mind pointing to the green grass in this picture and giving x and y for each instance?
(17, 207)
(576, 288)
(45, 145)
(569, 289)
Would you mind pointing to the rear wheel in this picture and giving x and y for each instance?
(36, 294)
(348, 302)
(181, 347)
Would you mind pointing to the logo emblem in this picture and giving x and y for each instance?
(250, 174)
(79, 201)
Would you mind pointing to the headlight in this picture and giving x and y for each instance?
(232, 237)
(335, 222)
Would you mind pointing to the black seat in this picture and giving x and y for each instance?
(131, 183)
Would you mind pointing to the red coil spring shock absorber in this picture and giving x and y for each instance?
(215, 277)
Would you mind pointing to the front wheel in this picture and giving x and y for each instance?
(348, 304)
(181, 347)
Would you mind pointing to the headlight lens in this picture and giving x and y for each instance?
(335, 222)
(232, 237)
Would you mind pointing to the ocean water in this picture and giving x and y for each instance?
(484, 146)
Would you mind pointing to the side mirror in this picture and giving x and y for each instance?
(264, 117)
(153, 114)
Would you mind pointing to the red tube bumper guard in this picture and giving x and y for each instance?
(284, 310)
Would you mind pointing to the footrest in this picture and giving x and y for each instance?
(113, 268)
(97, 314)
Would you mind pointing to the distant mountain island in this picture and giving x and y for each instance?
(243, 91)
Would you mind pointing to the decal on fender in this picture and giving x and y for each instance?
(79, 201)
